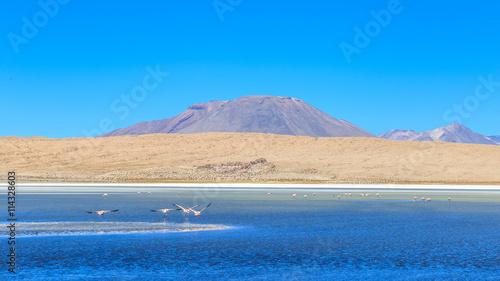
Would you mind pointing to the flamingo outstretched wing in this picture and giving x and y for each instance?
(206, 207)
(162, 210)
(178, 206)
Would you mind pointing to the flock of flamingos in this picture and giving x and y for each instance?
(164, 211)
(427, 200)
(197, 213)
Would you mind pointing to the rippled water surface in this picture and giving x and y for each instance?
(270, 238)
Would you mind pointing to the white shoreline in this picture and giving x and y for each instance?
(258, 186)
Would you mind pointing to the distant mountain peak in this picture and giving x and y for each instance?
(495, 138)
(398, 134)
(260, 114)
(456, 132)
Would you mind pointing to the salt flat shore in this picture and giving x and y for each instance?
(98, 187)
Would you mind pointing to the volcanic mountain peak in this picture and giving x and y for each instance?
(258, 114)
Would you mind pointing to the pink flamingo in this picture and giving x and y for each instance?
(197, 213)
(186, 210)
(101, 213)
(165, 211)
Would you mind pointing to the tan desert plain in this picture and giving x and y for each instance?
(248, 157)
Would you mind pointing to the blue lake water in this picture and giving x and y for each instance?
(271, 238)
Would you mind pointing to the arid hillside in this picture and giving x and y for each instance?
(248, 157)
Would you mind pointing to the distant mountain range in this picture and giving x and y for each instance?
(284, 116)
(259, 114)
(495, 138)
(455, 132)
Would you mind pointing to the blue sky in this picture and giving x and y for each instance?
(419, 70)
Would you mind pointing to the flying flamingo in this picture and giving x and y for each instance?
(165, 211)
(186, 210)
(101, 213)
(197, 213)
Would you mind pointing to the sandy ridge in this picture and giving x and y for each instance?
(247, 157)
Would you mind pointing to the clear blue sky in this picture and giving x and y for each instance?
(67, 74)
